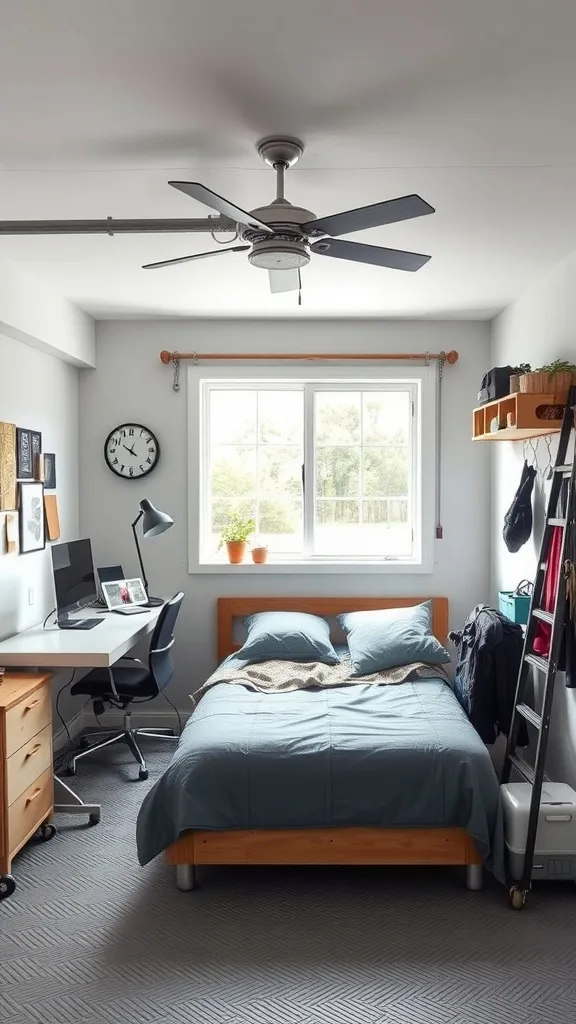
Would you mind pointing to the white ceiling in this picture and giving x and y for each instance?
(469, 104)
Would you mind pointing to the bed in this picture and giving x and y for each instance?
(423, 738)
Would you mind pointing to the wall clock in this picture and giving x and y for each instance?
(131, 451)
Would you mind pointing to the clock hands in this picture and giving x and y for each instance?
(131, 450)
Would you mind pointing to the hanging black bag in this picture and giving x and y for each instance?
(518, 519)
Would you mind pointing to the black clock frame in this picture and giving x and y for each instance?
(151, 433)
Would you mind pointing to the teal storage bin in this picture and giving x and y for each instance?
(515, 606)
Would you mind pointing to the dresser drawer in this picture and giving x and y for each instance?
(30, 761)
(27, 718)
(29, 810)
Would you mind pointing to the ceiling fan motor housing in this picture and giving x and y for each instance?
(287, 248)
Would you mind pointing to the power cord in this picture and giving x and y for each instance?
(64, 754)
(47, 617)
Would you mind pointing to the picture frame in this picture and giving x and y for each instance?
(49, 471)
(24, 459)
(31, 518)
(124, 593)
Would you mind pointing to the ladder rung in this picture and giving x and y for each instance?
(540, 663)
(556, 522)
(529, 714)
(539, 613)
(526, 770)
(565, 470)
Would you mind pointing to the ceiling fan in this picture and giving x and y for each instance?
(280, 235)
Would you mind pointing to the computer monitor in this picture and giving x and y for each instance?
(74, 580)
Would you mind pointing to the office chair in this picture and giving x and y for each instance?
(129, 679)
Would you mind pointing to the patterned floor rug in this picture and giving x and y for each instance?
(89, 937)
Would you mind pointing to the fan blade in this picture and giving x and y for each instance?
(377, 255)
(376, 216)
(205, 195)
(196, 256)
(284, 280)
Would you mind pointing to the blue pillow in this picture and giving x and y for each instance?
(287, 636)
(385, 638)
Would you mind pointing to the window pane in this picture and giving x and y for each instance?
(280, 417)
(280, 471)
(232, 417)
(386, 530)
(222, 509)
(386, 417)
(233, 470)
(280, 526)
(337, 417)
(337, 523)
(385, 472)
(338, 472)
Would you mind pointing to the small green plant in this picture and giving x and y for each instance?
(558, 366)
(238, 528)
(523, 368)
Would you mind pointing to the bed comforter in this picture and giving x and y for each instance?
(365, 755)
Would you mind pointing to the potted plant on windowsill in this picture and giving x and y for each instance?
(235, 535)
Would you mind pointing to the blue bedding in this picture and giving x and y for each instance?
(364, 754)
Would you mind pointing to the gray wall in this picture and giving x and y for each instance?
(537, 328)
(131, 383)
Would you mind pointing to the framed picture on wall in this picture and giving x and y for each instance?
(24, 459)
(32, 526)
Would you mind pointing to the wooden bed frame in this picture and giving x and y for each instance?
(354, 845)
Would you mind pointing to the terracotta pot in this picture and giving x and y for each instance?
(236, 551)
(259, 555)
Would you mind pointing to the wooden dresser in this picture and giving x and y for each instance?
(26, 786)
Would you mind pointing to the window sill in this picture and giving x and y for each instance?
(344, 568)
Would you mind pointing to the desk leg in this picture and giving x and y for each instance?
(66, 801)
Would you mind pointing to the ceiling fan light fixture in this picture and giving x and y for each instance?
(279, 255)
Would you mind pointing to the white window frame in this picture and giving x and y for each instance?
(423, 484)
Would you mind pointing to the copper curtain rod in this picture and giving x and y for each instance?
(447, 357)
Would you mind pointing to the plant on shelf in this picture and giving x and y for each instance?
(260, 554)
(558, 366)
(235, 535)
(556, 377)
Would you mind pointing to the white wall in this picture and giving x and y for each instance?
(31, 312)
(40, 392)
(538, 328)
(131, 383)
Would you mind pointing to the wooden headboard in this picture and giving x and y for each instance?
(231, 608)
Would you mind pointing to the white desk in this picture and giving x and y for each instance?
(100, 647)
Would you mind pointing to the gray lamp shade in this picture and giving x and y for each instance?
(154, 521)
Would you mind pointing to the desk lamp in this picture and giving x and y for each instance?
(154, 522)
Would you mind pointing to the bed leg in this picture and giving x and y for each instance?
(474, 876)
(185, 877)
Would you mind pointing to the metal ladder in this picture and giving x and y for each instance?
(563, 492)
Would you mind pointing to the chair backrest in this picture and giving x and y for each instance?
(160, 654)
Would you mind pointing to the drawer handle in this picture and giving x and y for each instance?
(33, 795)
(32, 704)
(35, 749)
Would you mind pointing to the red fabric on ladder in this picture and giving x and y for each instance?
(551, 581)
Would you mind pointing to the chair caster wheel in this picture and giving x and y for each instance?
(46, 831)
(517, 897)
(143, 774)
(93, 819)
(7, 886)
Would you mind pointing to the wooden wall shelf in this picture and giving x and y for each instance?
(525, 412)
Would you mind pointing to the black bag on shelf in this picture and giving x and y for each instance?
(518, 519)
(495, 384)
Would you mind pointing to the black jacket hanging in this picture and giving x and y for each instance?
(518, 519)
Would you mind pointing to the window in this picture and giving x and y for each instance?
(328, 466)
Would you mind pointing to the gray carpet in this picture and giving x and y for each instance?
(91, 937)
